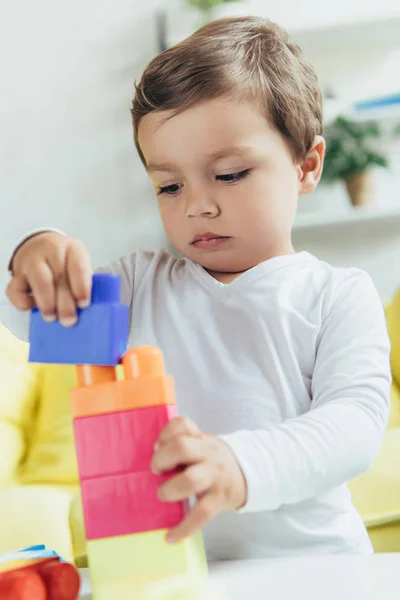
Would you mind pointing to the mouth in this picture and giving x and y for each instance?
(209, 240)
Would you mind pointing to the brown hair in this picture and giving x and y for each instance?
(247, 58)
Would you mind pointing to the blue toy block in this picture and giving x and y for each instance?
(100, 337)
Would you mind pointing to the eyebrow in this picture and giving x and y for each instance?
(223, 153)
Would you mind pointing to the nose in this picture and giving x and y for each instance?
(200, 203)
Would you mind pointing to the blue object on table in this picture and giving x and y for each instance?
(100, 336)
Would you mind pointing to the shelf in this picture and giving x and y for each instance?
(354, 217)
(384, 114)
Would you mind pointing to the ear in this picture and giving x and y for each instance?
(310, 170)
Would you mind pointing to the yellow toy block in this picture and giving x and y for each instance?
(137, 559)
(169, 588)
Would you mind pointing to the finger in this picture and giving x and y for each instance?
(66, 307)
(177, 426)
(193, 480)
(79, 273)
(205, 510)
(41, 281)
(180, 450)
(19, 293)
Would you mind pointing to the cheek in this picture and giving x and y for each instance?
(269, 200)
(168, 217)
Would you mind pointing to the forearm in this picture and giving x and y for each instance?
(309, 455)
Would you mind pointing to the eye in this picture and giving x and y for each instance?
(232, 177)
(171, 190)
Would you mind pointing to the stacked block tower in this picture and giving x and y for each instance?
(122, 402)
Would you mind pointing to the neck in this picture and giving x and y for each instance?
(229, 276)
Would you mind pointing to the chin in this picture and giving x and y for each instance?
(223, 266)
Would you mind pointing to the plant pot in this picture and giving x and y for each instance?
(360, 188)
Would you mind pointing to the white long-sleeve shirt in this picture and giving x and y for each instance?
(289, 364)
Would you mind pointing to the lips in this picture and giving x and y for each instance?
(209, 241)
(206, 237)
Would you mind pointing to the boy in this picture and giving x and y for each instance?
(281, 362)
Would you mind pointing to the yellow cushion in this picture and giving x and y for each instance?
(19, 392)
(78, 532)
(51, 457)
(376, 494)
(394, 420)
(385, 538)
(36, 514)
(393, 325)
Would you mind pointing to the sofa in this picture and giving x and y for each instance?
(376, 494)
(39, 490)
(39, 487)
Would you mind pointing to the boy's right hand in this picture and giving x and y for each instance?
(54, 273)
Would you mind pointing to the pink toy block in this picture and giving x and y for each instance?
(123, 504)
(120, 442)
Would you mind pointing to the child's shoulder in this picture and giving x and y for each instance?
(342, 286)
(333, 276)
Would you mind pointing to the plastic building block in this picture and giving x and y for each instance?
(117, 421)
(121, 442)
(145, 384)
(39, 579)
(178, 587)
(128, 503)
(143, 557)
(99, 338)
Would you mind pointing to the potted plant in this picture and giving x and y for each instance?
(350, 156)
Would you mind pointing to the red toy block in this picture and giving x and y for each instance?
(123, 504)
(121, 442)
(146, 384)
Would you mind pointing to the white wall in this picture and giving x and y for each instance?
(67, 156)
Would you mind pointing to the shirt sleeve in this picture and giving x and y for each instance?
(18, 321)
(339, 438)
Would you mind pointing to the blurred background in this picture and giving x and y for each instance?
(67, 160)
(67, 156)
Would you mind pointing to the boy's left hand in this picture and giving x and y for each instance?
(209, 471)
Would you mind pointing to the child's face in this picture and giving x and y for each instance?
(220, 170)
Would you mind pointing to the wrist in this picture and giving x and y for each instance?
(237, 485)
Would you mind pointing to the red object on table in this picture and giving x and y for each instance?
(23, 585)
(61, 579)
(44, 579)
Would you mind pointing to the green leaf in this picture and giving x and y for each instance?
(349, 148)
(207, 5)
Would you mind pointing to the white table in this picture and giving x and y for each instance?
(313, 578)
